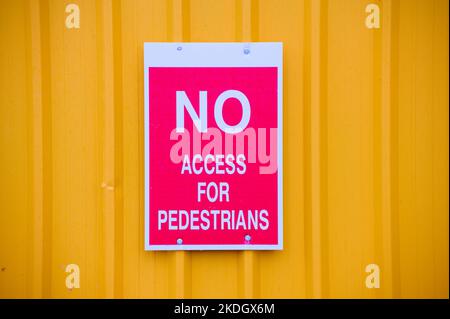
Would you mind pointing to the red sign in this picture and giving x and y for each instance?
(213, 147)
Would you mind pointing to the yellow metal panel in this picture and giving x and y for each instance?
(15, 186)
(365, 149)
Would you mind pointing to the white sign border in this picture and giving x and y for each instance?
(231, 54)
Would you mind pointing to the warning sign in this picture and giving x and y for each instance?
(213, 146)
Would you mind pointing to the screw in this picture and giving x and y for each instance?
(246, 51)
(179, 241)
(179, 48)
(248, 237)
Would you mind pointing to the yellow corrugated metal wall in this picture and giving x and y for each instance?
(366, 149)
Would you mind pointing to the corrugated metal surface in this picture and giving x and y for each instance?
(365, 151)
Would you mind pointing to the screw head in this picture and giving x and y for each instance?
(248, 237)
(179, 48)
(246, 51)
(179, 241)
